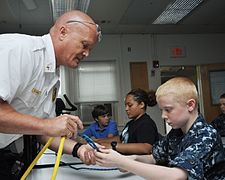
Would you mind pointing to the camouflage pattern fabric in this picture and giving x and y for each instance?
(198, 152)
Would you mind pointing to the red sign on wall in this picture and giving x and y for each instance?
(177, 52)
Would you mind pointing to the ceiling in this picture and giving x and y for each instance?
(115, 17)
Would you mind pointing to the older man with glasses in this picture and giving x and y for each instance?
(29, 83)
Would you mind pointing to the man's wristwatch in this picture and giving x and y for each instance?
(114, 144)
(75, 149)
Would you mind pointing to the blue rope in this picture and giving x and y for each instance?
(94, 169)
(87, 168)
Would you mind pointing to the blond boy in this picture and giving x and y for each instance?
(191, 150)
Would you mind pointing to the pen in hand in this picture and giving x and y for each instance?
(90, 142)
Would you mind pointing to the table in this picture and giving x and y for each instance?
(67, 173)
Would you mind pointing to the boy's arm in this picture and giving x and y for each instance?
(111, 158)
(149, 159)
(151, 171)
(113, 130)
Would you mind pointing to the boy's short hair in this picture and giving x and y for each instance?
(181, 88)
(99, 110)
(222, 96)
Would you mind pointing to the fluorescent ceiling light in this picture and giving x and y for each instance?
(177, 10)
(61, 6)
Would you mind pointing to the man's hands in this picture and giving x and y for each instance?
(64, 125)
(86, 154)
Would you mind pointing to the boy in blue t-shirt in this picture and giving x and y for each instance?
(103, 127)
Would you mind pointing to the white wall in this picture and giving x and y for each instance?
(200, 49)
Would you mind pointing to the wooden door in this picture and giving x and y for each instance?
(211, 110)
(139, 75)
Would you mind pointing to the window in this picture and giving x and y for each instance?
(96, 82)
(85, 111)
(62, 80)
(217, 85)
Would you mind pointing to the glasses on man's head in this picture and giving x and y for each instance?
(98, 28)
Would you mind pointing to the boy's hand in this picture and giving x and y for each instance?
(108, 158)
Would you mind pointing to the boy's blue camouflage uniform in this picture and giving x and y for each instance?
(196, 152)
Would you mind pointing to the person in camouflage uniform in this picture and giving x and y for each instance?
(191, 150)
(197, 151)
(219, 122)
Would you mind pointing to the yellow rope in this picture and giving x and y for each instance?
(36, 159)
(59, 154)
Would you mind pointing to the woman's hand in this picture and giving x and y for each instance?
(106, 145)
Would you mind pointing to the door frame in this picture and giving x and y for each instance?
(209, 110)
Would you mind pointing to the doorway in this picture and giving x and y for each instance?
(212, 87)
(168, 72)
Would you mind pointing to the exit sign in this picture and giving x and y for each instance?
(177, 52)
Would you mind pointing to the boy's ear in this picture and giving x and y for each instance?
(191, 104)
(142, 104)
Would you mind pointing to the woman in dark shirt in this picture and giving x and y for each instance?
(140, 133)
